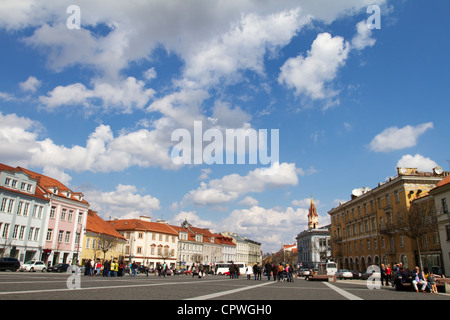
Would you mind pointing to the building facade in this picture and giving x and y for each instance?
(441, 197)
(362, 229)
(148, 243)
(101, 240)
(247, 251)
(23, 215)
(313, 244)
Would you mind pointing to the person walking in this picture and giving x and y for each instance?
(249, 272)
(268, 269)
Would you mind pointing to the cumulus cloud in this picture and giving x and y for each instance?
(124, 202)
(311, 75)
(31, 84)
(362, 39)
(231, 187)
(395, 138)
(417, 161)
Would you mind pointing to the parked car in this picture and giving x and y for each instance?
(60, 267)
(344, 274)
(356, 274)
(304, 272)
(33, 265)
(8, 263)
(375, 272)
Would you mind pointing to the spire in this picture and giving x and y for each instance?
(313, 217)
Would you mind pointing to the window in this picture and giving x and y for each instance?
(25, 209)
(447, 229)
(80, 217)
(49, 235)
(67, 236)
(19, 208)
(30, 233)
(21, 233)
(5, 230)
(63, 214)
(36, 234)
(444, 205)
(7, 181)
(60, 236)
(70, 216)
(3, 207)
(397, 197)
(52, 212)
(15, 231)
(10, 205)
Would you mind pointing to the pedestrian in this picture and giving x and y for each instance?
(418, 279)
(259, 270)
(268, 269)
(91, 267)
(388, 274)
(106, 268)
(383, 274)
(255, 270)
(133, 272)
(275, 272)
(280, 272)
(98, 266)
(249, 272)
(112, 268)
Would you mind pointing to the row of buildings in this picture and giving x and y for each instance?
(404, 219)
(42, 219)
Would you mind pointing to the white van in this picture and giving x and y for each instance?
(221, 268)
(331, 268)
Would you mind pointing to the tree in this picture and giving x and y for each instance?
(105, 243)
(415, 222)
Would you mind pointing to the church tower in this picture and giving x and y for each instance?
(313, 218)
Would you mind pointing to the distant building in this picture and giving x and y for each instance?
(313, 244)
(101, 240)
(247, 251)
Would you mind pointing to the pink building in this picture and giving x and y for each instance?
(66, 220)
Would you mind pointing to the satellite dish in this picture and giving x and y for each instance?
(437, 170)
(357, 192)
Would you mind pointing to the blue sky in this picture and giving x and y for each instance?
(95, 107)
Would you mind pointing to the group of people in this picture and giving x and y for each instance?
(425, 279)
(110, 268)
(254, 270)
(279, 272)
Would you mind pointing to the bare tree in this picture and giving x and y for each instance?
(105, 243)
(415, 222)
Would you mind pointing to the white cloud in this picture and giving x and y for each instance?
(268, 226)
(362, 39)
(304, 203)
(124, 95)
(311, 75)
(231, 187)
(31, 84)
(394, 138)
(417, 161)
(248, 202)
(124, 202)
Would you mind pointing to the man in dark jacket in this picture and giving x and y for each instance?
(268, 268)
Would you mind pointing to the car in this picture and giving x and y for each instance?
(344, 274)
(373, 272)
(356, 274)
(8, 263)
(33, 266)
(304, 272)
(60, 267)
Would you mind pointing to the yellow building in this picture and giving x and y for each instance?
(101, 240)
(363, 230)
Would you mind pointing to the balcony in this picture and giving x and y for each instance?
(387, 228)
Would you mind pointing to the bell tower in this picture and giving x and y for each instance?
(313, 217)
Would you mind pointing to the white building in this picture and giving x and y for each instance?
(23, 215)
(313, 244)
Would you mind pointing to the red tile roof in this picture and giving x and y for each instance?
(444, 181)
(47, 183)
(137, 224)
(96, 224)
